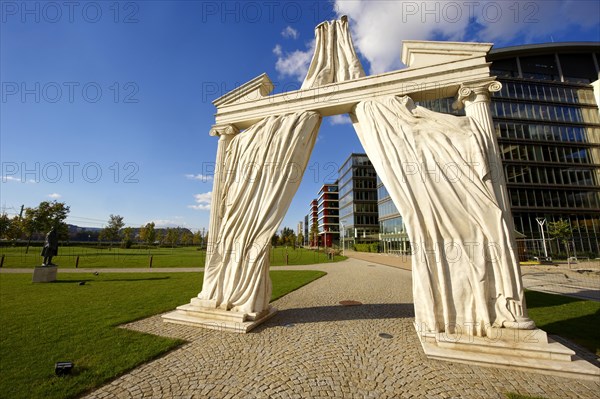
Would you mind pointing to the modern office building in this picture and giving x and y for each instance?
(328, 215)
(548, 126)
(358, 214)
(547, 122)
(312, 219)
(306, 227)
(392, 233)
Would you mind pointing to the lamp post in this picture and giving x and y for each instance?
(541, 222)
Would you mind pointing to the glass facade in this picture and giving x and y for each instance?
(358, 212)
(548, 128)
(392, 233)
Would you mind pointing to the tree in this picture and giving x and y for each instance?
(288, 237)
(160, 236)
(314, 235)
(127, 237)
(275, 240)
(197, 239)
(11, 229)
(45, 216)
(148, 234)
(300, 239)
(5, 224)
(562, 231)
(187, 238)
(111, 231)
(172, 236)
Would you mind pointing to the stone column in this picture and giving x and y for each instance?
(225, 134)
(475, 97)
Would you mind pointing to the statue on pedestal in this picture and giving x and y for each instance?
(50, 247)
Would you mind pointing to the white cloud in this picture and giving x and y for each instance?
(55, 195)
(290, 32)
(6, 179)
(294, 64)
(202, 201)
(199, 176)
(378, 27)
(339, 120)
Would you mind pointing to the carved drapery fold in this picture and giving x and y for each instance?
(334, 59)
(261, 171)
(435, 167)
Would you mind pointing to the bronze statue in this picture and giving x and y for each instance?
(50, 247)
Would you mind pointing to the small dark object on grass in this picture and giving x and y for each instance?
(63, 368)
(96, 273)
(82, 283)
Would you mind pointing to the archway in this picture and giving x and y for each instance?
(479, 295)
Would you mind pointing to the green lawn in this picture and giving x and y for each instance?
(574, 319)
(41, 324)
(96, 257)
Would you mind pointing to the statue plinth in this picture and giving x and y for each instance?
(44, 274)
(198, 314)
(527, 350)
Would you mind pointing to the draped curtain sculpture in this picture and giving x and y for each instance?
(435, 167)
(334, 59)
(262, 171)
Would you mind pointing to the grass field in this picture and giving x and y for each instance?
(571, 318)
(96, 257)
(41, 324)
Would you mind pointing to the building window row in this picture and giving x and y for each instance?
(527, 131)
(555, 199)
(550, 175)
(391, 226)
(545, 153)
(365, 195)
(544, 112)
(387, 208)
(365, 207)
(443, 105)
(539, 92)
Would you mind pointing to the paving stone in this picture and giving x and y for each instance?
(331, 351)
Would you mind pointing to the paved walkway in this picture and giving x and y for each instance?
(315, 348)
(579, 280)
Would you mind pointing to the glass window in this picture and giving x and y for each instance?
(578, 68)
(540, 67)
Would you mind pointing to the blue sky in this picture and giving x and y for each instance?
(106, 105)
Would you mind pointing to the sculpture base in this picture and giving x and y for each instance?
(194, 314)
(44, 274)
(528, 350)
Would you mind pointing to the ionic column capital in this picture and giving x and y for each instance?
(224, 131)
(473, 92)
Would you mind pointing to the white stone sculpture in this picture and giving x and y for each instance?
(334, 59)
(436, 169)
(262, 170)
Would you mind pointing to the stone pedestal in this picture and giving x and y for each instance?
(528, 350)
(44, 274)
(195, 314)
